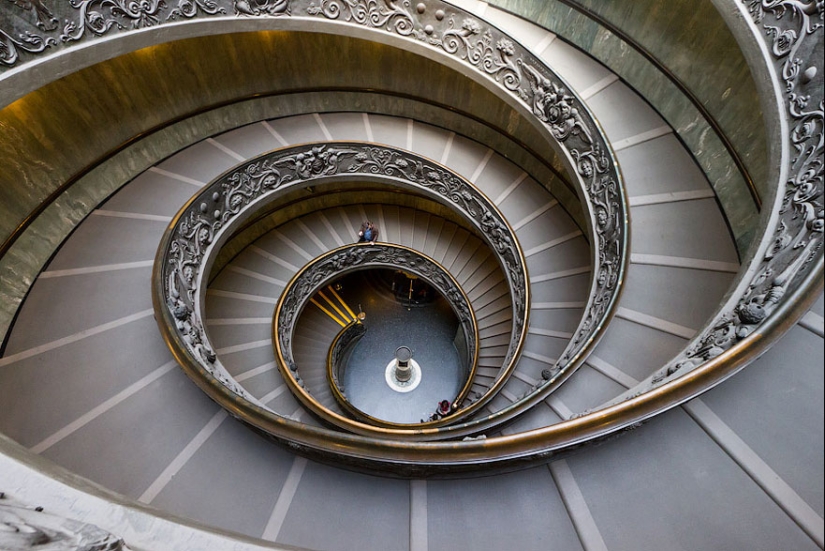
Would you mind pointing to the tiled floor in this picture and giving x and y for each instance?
(427, 329)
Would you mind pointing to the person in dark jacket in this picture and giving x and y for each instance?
(368, 233)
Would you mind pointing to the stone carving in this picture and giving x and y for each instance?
(46, 20)
(98, 16)
(374, 13)
(23, 528)
(261, 7)
(476, 43)
(212, 211)
(190, 8)
(549, 99)
(27, 41)
(797, 235)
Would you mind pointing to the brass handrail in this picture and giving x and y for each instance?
(202, 226)
(338, 262)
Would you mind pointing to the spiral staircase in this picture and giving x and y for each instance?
(102, 426)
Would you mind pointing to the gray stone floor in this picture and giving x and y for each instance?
(427, 329)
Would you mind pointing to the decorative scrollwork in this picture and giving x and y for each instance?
(797, 235)
(27, 42)
(27, 527)
(46, 20)
(98, 16)
(568, 121)
(373, 13)
(261, 7)
(191, 8)
(211, 214)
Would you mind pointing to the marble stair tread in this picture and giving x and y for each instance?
(68, 307)
(201, 162)
(249, 141)
(102, 240)
(151, 193)
(298, 129)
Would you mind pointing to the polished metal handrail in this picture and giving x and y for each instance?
(339, 262)
(201, 227)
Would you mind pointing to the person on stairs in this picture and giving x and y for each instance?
(368, 233)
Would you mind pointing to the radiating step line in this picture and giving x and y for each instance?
(418, 515)
(363, 213)
(481, 165)
(681, 262)
(331, 229)
(255, 371)
(557, 305)
(312, 237)
(410, 124)
(157, 486)
(237, 321)
(322, 126)
(535, 214)
(508, 395)
(96, 269)
(367, 127)
(447, 147)
(540, 358)
(594, 89)
(780, 491)
(554, 243)
(559, 275)
(274, 133)
(813, 322)
(99, 410)
(558, 406)
(221, 147)
(642, 138)
(278, 515)
(544, 44)
(256, 275)
(80, 335)
(549, 333)
(178, 177)
(655, 323)
(611, 372)
(131, 215)
(492, 270)
(191, 448)
(510, 189)
(243, 347)
(292, 245)
(241, 296)
(671, 197)
(489, 372)
(382, 222)
(573, 499)
(272, 258)
(525, 378)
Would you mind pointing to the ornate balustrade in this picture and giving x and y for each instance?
(339, 353)
(436, 29)
(773, 287)
(210, 218)
(334, 264)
